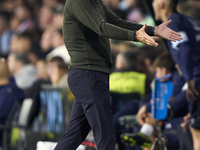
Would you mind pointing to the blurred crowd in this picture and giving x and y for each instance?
(32, 50)
(34, 29)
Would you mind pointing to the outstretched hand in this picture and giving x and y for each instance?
(186, 120)
(164, 32)
(144, 38)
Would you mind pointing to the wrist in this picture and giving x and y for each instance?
(155, 30)
(152, 31)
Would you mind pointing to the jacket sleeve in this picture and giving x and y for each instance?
(183, 52)
(85, 12)
(116, 20)
(179, 102)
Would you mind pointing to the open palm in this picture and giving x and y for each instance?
(145, 38)
(164, 32)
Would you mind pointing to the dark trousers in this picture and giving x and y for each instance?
(194, 109)
(91, 110)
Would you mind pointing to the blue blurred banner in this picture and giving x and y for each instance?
(161, 92)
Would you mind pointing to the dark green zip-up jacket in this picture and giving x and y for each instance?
(87, 27)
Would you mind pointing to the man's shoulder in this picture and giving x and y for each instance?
(184, 23)
(175, 15)
(179, 18)
(178, 22)
(176, 18)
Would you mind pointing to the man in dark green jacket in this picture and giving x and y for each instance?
(87, 27)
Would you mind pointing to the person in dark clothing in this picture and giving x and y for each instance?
(126, 78)
(9, 92)
(87, 27)
(186, 54)
(163, 65)
(127, 86)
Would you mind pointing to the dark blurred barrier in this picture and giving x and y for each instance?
(54, 115)
(22, 132)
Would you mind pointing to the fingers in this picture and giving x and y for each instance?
(144, 38)
(183, 126)
(187, 117)
(186, 120)
(144, 26)
(168, 22)
(172, 39)
(151, 42)
(175, 36)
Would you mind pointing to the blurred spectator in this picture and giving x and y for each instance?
(127, 5)
(50, 3)
(24, 14)
(126, 83)
(187, 56)
(140, 13)
(14, 23)
(34, 91)
(146, 56)
(190, 8)
(5, 34)
(27, 43)
(46, 41)
(57, 38)
(9, 94)
(7, 6)
(140, 16)
(127, 80)
(58, 17)
(20, 68)
(163, 65)
(42, 78)
(59, 47)
(41, 70)
(20, 43)
(45, 17)
(58, 71)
